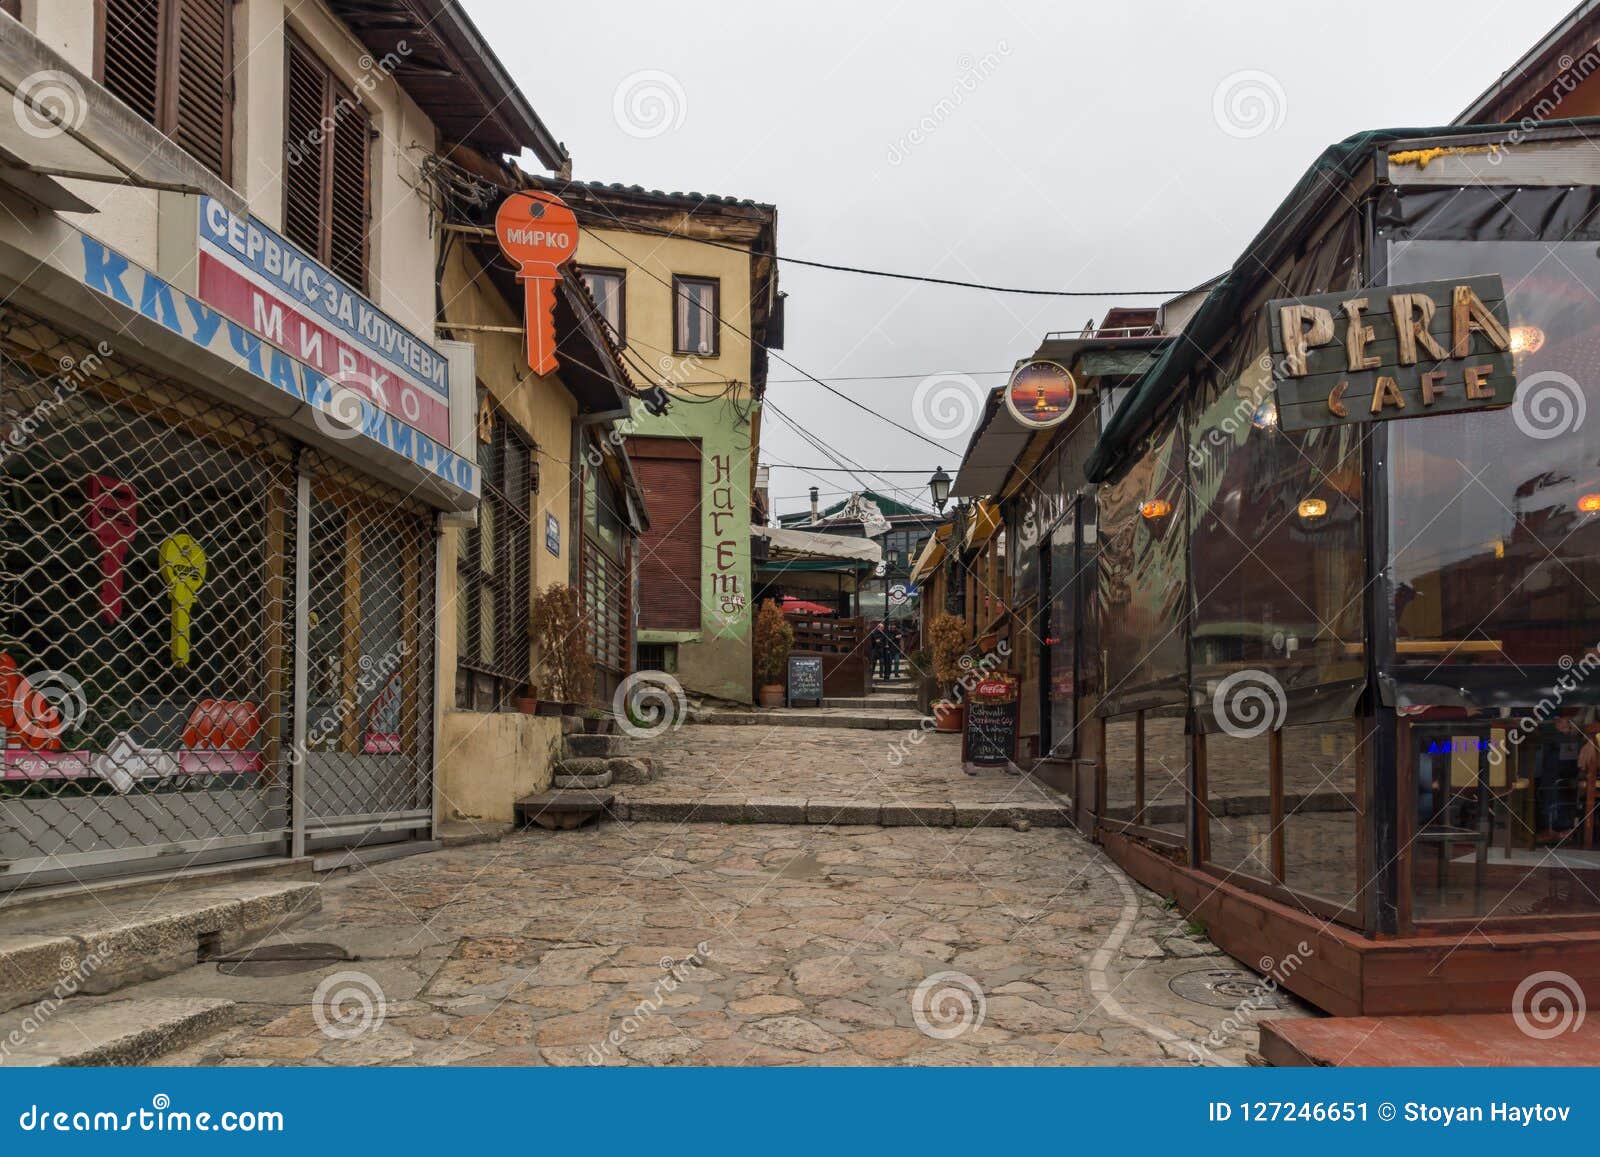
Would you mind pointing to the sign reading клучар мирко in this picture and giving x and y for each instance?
(1394, 351)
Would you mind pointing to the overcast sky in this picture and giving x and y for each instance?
(1046, 145)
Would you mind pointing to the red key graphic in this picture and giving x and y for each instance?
(538, 231)
(113, 515)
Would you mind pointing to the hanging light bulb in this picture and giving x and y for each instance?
(1526, 339)
(1155, 508)
(1312, 507)
(1589, 503)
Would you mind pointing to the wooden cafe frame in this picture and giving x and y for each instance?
(1395, 805)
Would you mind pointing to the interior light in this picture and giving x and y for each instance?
(1266, 415)
(1589, 503)
(1156, 508)
(1313, 507)
(1526, 339)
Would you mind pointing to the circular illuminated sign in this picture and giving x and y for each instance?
(1041, 395)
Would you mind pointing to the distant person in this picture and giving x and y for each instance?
(896, 652)
(878, 649)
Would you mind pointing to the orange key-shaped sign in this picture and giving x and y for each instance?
(538, 231)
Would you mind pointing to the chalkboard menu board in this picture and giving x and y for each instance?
(990, 738)
(805, 679)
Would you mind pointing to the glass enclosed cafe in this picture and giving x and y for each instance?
(1316, 649)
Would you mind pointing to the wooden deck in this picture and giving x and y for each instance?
(1347, 974)
(1484, 1039)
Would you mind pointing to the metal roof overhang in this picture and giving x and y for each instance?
(449, 69)
(994, 447)
(1330, 184)
(809, 544)
(932, 555)
(1000, 439)
(54, 134)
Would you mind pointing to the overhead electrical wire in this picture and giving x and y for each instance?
(583, 210)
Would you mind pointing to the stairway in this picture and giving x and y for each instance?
(588, 766)
(65, 953)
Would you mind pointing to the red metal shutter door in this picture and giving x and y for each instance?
(669, 553)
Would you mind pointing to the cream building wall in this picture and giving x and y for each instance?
(488, 760)
(715, 659)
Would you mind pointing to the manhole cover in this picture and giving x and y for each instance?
(281, 959)
(1225, 988)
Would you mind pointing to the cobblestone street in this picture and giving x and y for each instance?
(723, 943)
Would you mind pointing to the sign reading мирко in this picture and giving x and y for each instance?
(1397, 351)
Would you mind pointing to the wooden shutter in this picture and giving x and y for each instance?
(669, 553)
(347, 193)
(129, 54)
(202, 119)
(325, 172)
(304, 174)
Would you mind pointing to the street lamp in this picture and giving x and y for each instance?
(939, 487)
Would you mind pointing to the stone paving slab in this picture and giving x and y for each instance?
(909, 768)
(727, 944)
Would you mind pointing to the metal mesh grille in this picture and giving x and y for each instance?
(147, 540)
(369, 659)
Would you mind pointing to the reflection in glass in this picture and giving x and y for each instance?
(1321, 808)
(1493, 560)
(1239, 786)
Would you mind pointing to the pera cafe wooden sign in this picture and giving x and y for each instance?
(1393, 351)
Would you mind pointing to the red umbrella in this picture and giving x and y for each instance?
(798, 606)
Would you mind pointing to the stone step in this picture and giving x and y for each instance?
(789, 717)
(599, 746)
(564, 810)
(876, 703)
(100, 947)
(564, 782)
(1021, 815)
(108, 1032)
(632, 769)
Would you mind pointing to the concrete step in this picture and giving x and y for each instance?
(564, 810)
(876, 703)
(101, 946)
(108, 1032)
(789, 717)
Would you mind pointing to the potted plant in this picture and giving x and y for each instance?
(947, 642)
(597, 721)
(772, 641)
(528, 702)
(559, 630)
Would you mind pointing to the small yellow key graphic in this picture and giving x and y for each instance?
(183, 570)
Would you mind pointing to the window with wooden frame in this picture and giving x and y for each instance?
(696, 315)
(171, 61)
(607, 286)
(326, 166)
(11, 8)
(494, 576)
